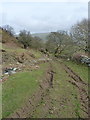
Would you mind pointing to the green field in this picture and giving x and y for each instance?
(63, 97)
(80, 69)
(62, 100)
(18, 88)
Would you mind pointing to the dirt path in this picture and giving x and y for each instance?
(54, 96)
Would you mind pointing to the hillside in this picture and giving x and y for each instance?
(13, 53)
(7, 37)
(39, 86)
(43, 36)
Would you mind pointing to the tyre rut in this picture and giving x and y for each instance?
(81, 85)
(34, 101)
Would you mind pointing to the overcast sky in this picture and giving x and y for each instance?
(40, 17)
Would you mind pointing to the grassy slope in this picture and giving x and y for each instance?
(11, 55)
(18, 88)
(19, 50)
(22, 85)
(6, 37)
(80, 69)
(64, 97)
(66, 92)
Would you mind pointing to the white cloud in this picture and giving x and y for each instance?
(44, 0)
(43, 17)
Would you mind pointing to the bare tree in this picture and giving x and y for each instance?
(9, 29)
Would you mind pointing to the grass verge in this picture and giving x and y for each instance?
(18, 88)
(80, 69)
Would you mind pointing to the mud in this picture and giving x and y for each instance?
(81, 86)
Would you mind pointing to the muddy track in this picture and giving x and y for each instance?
(81, 85)
(28, 110)
(42, 100)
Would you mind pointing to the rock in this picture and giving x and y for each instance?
(0, 79)
(68, 59)
(17, 63)
(32, 55)
(33, 62)
(3, 50)
(20, 60)
(51, 112)
(37, 66)
(14, 69)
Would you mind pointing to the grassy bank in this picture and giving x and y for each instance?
(63, 96)
(80, 69)
(19, 87)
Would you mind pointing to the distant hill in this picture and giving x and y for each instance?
(43, 36)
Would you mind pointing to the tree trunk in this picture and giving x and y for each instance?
(25, 47)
